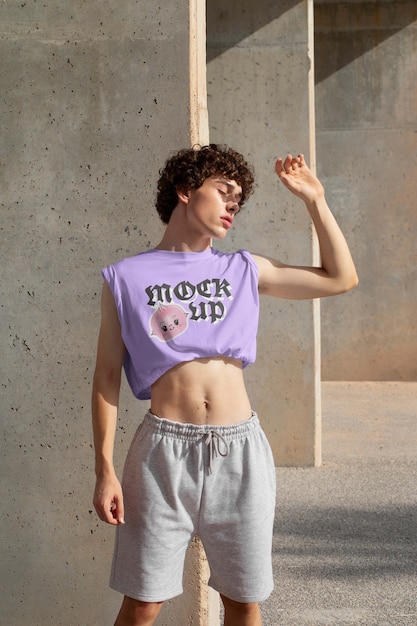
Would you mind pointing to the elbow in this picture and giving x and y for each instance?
(354, 280)
(106, 378)
(349, 283)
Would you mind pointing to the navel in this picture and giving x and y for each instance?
(206, 406)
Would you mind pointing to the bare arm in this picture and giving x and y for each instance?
(337, 273)
(108, 497)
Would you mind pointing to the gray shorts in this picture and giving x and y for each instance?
(182, 480)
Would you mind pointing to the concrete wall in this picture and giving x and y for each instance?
(366, 119)
(93, 98)
(259, 100)
(94, 95)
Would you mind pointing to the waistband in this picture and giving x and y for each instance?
(194, 432)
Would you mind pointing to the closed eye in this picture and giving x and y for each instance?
(230, 191)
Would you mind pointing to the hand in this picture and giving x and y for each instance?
(108, 500)
(295, 174)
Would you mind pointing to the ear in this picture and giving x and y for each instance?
(183, 194)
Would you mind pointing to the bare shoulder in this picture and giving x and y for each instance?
(111, 347)
(271, 276)
(266, 265)
(264, 262)
(108, 304)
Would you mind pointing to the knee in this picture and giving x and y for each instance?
(135, 612)
(147, 610)
(245, 609)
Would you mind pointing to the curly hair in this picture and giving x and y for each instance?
(189, 168)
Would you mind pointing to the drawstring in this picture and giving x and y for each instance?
(213, 441)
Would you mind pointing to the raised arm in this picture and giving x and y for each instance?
(108, 497)
(337, 273)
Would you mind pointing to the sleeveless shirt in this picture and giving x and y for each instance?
(180, 306)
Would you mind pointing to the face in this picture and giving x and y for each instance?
(168, 321)
(212, 207)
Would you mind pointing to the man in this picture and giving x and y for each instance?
(182, 320)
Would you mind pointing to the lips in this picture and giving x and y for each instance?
(227, 221)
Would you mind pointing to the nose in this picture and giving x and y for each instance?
(233, 208)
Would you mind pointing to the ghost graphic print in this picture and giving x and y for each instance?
(168, 321)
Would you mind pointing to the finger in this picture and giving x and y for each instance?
(283, 167)
(298, 162)
(106, 515)
(279, 166)
(104, 511)
(118, 510)
(288, 164)
(109, 519)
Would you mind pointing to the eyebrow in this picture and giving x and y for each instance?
(230, 187)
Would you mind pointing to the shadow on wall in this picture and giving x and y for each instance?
(335, 542)
(361, 26)
(344, 31)
(229, 23)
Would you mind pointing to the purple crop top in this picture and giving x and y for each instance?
(180, 306)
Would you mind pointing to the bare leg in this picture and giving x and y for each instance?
(241, 614)
(137, 613)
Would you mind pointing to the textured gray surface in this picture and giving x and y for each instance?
(345, 544)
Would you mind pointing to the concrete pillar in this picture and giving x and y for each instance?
(199, 604)
(367, 153)
(261, 101)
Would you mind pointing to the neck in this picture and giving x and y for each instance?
(177, 240)
(182, 246)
